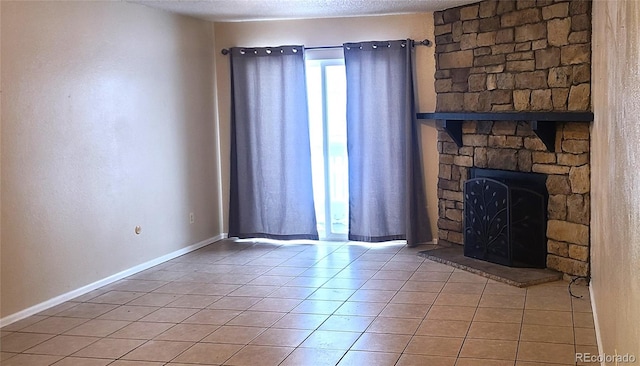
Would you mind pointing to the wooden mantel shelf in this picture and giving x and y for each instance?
(542, 123)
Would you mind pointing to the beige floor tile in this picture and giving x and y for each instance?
(547, 333)
(208, 353)
(135, 363)
(235, 303)
(434, 346)
(372, 295)
(386, 284)
(435, 276)
(551, 289)
(54, 325)
(394, 325)
(357, 358)
(160, 351)
(502, 301)
(268, 280)
(462, 276)
(109, 348)
(87, 310)
(281, 337)
(194, 301)
(484, 362)
(317, 307)
(422, 360)
(548, 317)
(489, 348)
(212, 316)
(558, 303)
(253, 291)
(585, 336)
(292, 292)
(234, 335)
(581, 305)
(498, 315)
(443, 328)
(379, 342)
(214, 289)
(82, 361)
(334, 294)
(392, 275)
(141, 330)
(31, 360)
(300, 321)
(62, 345)
(154, 299)
(546, 352)
(412, 311)
(583, 320)
(464, 313)
(457, 299)
(23, 323)
(58, 308)
(412, 297)
(187, 332)
(127, 312)
(360, 308)
(97, 328)
(256, 319)
(423, 286)
(19, 342)
(137, 285)
(169, 315)
(312, 356)
(116, 297)
(259, 355)
(466, 288)
(325, 339)
(497, 288)
(6, 355)
(495, 331)
(275, 304)
(347, 323)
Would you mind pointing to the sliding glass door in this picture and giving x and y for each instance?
(326, 90)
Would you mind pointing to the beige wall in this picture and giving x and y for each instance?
(334, 31)
(107, 123)
(615, 211)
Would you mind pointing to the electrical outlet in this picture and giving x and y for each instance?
(192, 218)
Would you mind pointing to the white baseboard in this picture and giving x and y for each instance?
(105, 281)
(596, 322)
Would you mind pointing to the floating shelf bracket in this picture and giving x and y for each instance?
(543, 124)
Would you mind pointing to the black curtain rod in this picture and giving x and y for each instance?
(424, 42)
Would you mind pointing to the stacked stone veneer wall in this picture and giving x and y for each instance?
(518, 56)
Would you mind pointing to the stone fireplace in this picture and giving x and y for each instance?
(518, 56)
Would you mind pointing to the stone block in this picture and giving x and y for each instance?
(578, 208)
(456, 31)
(582, 73)
(531, 80)
(460, 75)
(534, 143)
(502, 107)
(444, 39)
(494, 69)
(484, 127)
(505, 6)
(579, 7)
(442, 234)
(580, 22)
(558, 248)
(489, 60)
(579, 252)
(531, 32)
(455, 60)
(521, 100)
(559, 97)
(481, 51)
(579, 97)
(524, 129)
(471, 101)
(544, 157)
(558, 31)
(451, 15)
(460, 87)
(523, 4)
(446, 158)
(560, 10)
(455, 237)
(442, 29)
(579, 178)
(557, 207)
(502, 159)
(451, 47)
(539, 44)
(504, 128)
(575, 54)
(468, 41)
(549, 169)
(477, 82)
(502, 49)
(558, 185)
(466, 151)
(575, 130)
(491, 82)
(474, 140)
(447, 184)
(469, 127)
(445, 171)
(575, 146)
(579, 37)
(568, 232)
(573, 159)
(470, 26)
(443, 85)
(520, 56)
(449, 147)
(520, 17)
(487, 8)
(547, 58)
(560, 77)
(469, 12)
(480, 157)
(504, 36)
(505, 81)
(449, 225)
(500, 97)
(524, 160)
(437, 18)
(567, 265)
(518, 66)
(486, 39)
(524, 46)
(461, 160)
(442, 74)
(541, 100)
(454, 215)
(484, 101)
(449, 102)
(489, 24)
(452, 195)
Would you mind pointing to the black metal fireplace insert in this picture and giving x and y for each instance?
(505, 217)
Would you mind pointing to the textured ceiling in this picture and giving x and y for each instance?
(246, 10)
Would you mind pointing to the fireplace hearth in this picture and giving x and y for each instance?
(505, 217)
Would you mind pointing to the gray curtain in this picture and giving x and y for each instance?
(386, 194)
(271, 194)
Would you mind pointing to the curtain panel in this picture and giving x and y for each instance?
(386, 192)
(271, 194)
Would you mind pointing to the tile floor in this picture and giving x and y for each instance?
(261, 303)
